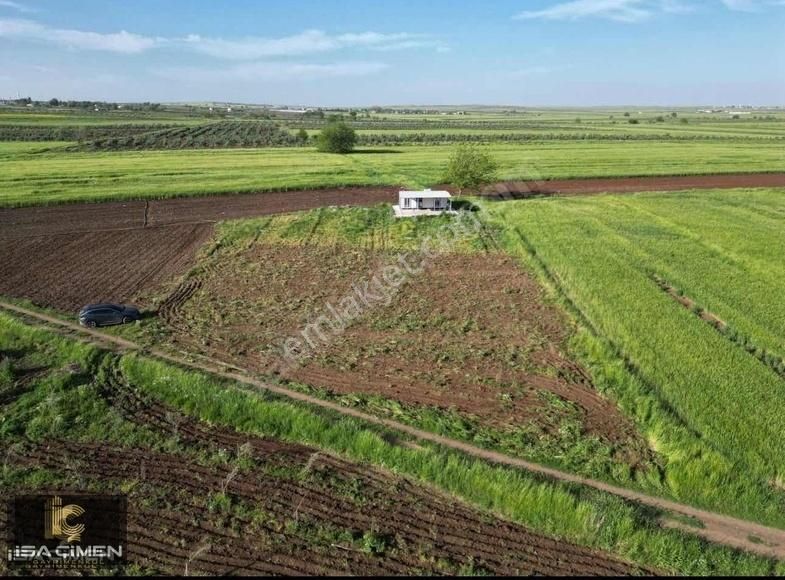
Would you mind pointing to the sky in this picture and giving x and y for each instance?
(395, 52)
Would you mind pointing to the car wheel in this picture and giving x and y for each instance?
(90, 324)
(127, 320)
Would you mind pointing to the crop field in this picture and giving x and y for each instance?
(61, 257)
(705, 381)
(57, 175)
(56, 156)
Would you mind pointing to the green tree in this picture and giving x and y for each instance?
(337, 137)
(470, 167)
(302, 136)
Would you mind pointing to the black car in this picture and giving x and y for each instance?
(106, 314)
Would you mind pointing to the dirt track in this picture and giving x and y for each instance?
(300, 488)
(741, 534)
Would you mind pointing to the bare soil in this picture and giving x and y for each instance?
(68, 271)
(83, 217)
(70, 218)
(473, 334)
(524, 189)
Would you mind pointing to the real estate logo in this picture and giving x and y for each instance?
(67, 531)
(56, 521)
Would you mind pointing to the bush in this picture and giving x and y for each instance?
(470, 167)
(337, 137)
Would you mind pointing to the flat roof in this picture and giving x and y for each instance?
(425, 194)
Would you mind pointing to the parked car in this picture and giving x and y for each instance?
(94, 315)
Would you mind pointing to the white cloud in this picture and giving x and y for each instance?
(15, 6)
(121, 42)
(619, 10)
(751, 5)
(632, 10)
(245, 49)
(307, 42)
(268, 71)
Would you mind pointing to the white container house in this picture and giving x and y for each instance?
(426, 202)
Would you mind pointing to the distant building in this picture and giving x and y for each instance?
(425, 202)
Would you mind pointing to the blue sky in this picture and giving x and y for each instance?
(352, 52)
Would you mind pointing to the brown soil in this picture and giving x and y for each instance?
(70, 270)
(67, 256)
(523, 189)
(312, 510)
(84, 217)
(472, 334)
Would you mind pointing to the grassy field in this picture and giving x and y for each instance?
(398, 148)
(711, 402)
(63, 400)
(31, 177)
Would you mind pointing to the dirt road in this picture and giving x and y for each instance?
(745, 535)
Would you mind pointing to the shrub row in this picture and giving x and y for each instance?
(78, 133)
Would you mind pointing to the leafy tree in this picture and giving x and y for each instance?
(54, 103)
(470, 168)
(302, 136)
(337, 137)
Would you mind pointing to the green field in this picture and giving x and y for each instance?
(65, 400)
(396, 148)
(713, 403)
(31, 177)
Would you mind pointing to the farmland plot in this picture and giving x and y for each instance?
(469, 348)
(720, 394)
